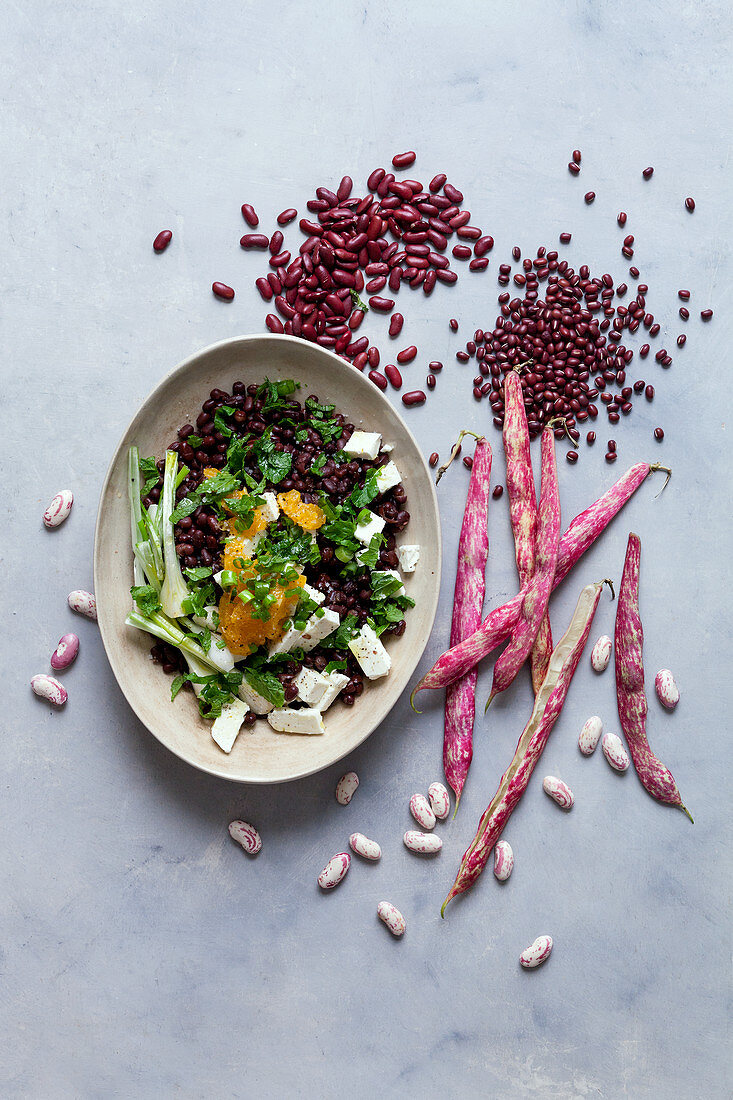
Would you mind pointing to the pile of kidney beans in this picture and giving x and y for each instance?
(200, 537)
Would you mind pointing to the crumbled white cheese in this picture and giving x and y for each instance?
(387, 477)
(408, 557)
(311, 686)
(370, 653)
(306, 721)
(253, 699)
(228, 724)
(373, 526)
(337, 682)
(363, 445)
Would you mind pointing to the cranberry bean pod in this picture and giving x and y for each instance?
(614, 752)
(630, 694)
(548, 704)
(59, 509)
(346, 788)
(589, 735)
(364, 847)
(537, 591)
(498, 625)
(468, 600)
(334, 871)
(46, 687)
(422, 811)
(162, 241)
(558, 791)
(65, 652)
(503, 860)
(666, 689)
(246, 835)
(536, 953)
(423, 843)
(601, 652)
(392, 917)
(83, 602)
(439, 800)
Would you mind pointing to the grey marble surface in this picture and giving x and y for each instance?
(141, 953)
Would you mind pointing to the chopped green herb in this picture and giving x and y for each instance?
(265, 684)
(358, 302)
(146, 597)
(149, 475)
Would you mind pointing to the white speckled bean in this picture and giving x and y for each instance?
(246, 835)
(601, 653)
(83, 602)
(49, 688)
(59, 508)
(439, 800)
(363, 846)
(614, 752)
(536, 953)
(503, 860)
(391, 917)
(334, 871)
(558, 791)
(421, 811)
(65, 652)
(590, 735)
(667, 690)
(346, 788)
(426, 844)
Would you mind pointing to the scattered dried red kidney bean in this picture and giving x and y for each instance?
(403, 160)
(287, 216)
(378, 379)
(250, 214)
(394, 376)
(162, 241)
(407, 354)
(414, 397)
(254, 240)
(396, 322)
(221, 290)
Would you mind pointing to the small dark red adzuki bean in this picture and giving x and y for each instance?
(435, 366)
(434, 459)
(611, 456)
(690, 203)
(621, 290)
(403, 160)
(654, 330)
(649, 393)
(621, 218)
(590, 438)
(453, 324)
(394, 376)
(639, 385)
(162, 241)
(430, 381)
(566, 238)
(611, 445)
(571, 457)
(395, 324)
(378, 379)
(659, 433)
(468, 462)
(576, 156)
(221, 290)
(681, 340)
(254, 240)
(644, 351)
(287, 216)
(589, 196)
(407, 354)
(517, 252)
(573, 167)
(627, 252)
(250, 214)
(634, 272)
(684, 313)
(629, 240)
(614, 417)
(647, 173)
(706, 314)
(684, 295)
(414, 397)
(498, 490)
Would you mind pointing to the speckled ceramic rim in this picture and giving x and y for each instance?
(261, 755)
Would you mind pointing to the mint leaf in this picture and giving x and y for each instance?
(149, 474)
(265, 684)
(146, 598)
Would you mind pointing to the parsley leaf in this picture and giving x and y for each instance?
(146, 598)
(150, 475)
(274, 465)
(343, 634)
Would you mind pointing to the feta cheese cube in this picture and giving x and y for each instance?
(253, 699)
(316, 629)
(270, 508)
(313, 594)
(387, 477)
(228, 724)
(408, 557)
(373, 526)
(363, 445)
(337, 682)
(391, 573)
(388, 448)
(306, 721)
(289, 640)
(370, 653)
(311, 686)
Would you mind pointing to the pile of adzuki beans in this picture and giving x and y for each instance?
(200, 537)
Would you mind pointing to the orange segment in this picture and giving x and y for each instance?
(308, 516)
(240, 630)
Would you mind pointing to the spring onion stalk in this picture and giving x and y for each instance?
(160, 626)
(175, 589)
(221, 656)
(133, 483)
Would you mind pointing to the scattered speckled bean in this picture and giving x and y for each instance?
(601, 652)
(334, 871)
(65, 652)
(363, 846)
(558, 791)
(421, 811)
(536, 953)
(392, 917)
(614, 752)
(424, 843)
(439, 800)
(667, 690)
(83, 602)
(346, 788)
(59, 508)
(590, 735)
(49, 688)
(503, 860)
(246, 835)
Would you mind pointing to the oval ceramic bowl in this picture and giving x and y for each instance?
(259, 755)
